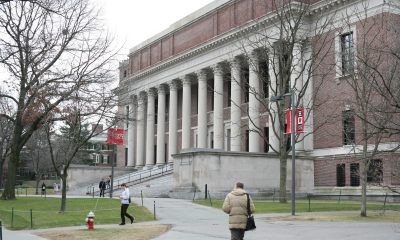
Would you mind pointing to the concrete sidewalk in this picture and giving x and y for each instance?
(195, 222)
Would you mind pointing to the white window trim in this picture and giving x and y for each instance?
(338, 51)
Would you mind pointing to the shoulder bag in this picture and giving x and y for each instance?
(251, 225)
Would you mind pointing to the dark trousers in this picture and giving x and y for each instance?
(124, 208)
(237, 234)
(102, 192)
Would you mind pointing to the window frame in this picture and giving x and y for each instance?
(339, 53)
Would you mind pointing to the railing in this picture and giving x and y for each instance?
(134, 178)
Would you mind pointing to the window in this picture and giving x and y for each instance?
(127, 116)
(228, 139)
(156, 110)
(246, 86)
(228, 87)
(354, 174)
(211, 139)
(347, 53)
(340, 175)
(125, 74)
(247, 140)
(375, 171)
(266, 139)
(348, 127)
(126, 157)
(264, 77)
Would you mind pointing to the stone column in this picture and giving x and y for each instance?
(297, 83)
(186, 112)
(236, 98)
(131, 133)
(254, 104)
(273, 118)
(173, 120)
(140, 140)
(150, 127)
(161, 126)
(308, 102)
(218, 107)
(202, 109)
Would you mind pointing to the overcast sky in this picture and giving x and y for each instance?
(134, 21)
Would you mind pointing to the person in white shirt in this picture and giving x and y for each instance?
(125, 200)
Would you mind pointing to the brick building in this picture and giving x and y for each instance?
(198, 94)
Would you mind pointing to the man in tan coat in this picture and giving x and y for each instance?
(235, 205)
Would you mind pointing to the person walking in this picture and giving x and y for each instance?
(102, 187)
(108, 182)
(235, 205)
(125, 200)
(43, 189)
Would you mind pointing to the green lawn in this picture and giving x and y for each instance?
(303, 206)
(45, 212)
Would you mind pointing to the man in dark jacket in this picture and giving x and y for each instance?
(235, 205)
(102, 187)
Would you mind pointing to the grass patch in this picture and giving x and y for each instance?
(340, 217)
(303, 206)
(45, 212)
(144, 232)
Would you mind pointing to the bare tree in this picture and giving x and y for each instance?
(289, 50)
(64, 147)
(52, 51)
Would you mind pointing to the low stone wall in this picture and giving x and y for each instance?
(80, 175)
(220, 170)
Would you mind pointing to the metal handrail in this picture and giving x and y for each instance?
(136, 177)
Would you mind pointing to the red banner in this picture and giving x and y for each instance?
(115, 136)
(299, 121)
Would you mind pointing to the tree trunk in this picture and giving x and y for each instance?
(9, 189)
(282, 180)
(63, 192)
(364, 168)
(37, 183)
(1, 172)
(364, 188)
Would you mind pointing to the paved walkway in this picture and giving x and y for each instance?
(195, 222)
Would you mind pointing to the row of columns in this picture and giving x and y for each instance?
(145, 134)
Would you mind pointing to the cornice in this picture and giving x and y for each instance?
(229, 36)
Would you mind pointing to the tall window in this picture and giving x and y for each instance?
(156, 110)
(264, 77)
(348, 127)
(127, 116)
(246, 86)
(375, 171)
(340, 175)
(211, 139)
(247, 140)
(266, 139)
(228, 139)
(354, 174)
(347, 53)
(228, 87)
(126, 157)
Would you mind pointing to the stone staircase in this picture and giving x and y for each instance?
(152, 182)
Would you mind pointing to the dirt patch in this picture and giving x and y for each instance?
(142, 232)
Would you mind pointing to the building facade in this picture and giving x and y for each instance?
(197, 95)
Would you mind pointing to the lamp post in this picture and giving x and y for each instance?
(293, 142)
